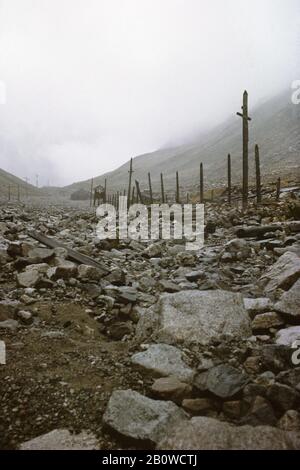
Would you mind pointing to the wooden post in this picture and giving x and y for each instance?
(150, 188)
(177, 188)
(278, 189)
(201, 184)
(9, 192)
(129, 183)
(18, 193)
(162, 188)
(138, 193)
(91, 195)
(105, 191)
(257, 171)
(229, 177)
(246, 120)
(133, 196)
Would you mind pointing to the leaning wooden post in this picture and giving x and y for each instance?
(177, 188)
(278, 189)
(162, 188)
(91, 195)
(257, 171)
(150, 188)
(246, 120)
(201, 184)
(229, 177)
(129, 183)
(133, 195)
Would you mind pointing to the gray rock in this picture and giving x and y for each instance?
(267, 320)
(28, 278)
(10, 324)
(203, 433)
(289, 303)
(283, 274)
(140, 418)
(164, 360)
(168, 286)
(283, 397)
(288, 336)
(170, 388)
(25, 317)
(195, 317)
(256, 306)
(153, 251)
(89, 273)
(225, 381)
(193, 276)
(290, 421)
(62, 439)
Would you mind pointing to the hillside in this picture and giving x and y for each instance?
(275, 127)
(7, 180)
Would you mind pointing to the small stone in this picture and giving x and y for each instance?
(265, 321)
(290, 421)
(288, 336)
(28, 278)
(25, 317)
(10, 324)
(170, 388)
(283, 397)
(168, 286)
(199, 406)
(232, 409)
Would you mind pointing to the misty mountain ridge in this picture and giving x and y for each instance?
(274, 127)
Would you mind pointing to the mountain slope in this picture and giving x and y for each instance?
(8, 180)
(275, 127)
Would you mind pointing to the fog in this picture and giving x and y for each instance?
(91, 83)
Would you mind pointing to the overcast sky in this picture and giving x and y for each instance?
(91, 83)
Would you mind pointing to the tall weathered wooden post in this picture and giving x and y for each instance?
(150, 188)
(278, 189)
(162, 188)
(177, 188)
(246, 120)
(201, 184)
(129, 183)
(105, 191)
(229, 177)
(133, 195)
(257, 171)
(91, 194)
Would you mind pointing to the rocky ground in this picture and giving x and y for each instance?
(169, 349)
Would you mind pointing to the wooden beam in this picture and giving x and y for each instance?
(72, 254)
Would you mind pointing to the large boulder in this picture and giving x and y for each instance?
(163, 360)
(195, 317)
(140, 418)
(283, 274)
(61, 439)
(203, 433)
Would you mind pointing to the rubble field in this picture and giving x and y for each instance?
(157, 347)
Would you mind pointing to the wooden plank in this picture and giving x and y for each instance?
(72, 254)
